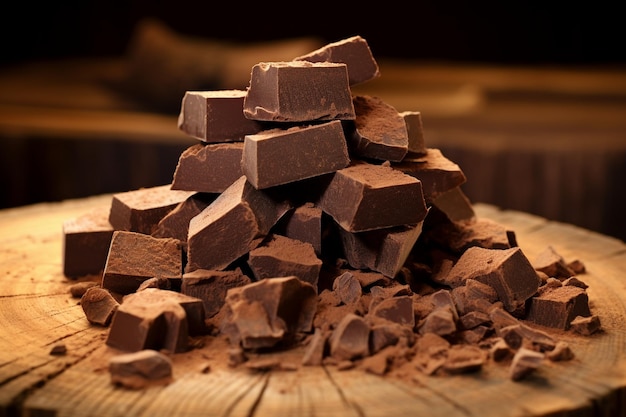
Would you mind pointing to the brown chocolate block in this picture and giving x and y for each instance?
(437, 173)
(455, 205)
(382, 250)
(280, 156)
(415, 130)
(135, 257)
(86, 241)
(98, 305)
(216, 116)
(350, 339)
(440, 321)
(281, 256)
(211, 286)
(354, 52)
(365, 197)
(175, 224)
(299, 91)
(303, 223)
(265, 313)
(156, 319)
(460, 235)
(232, 225)
(396, 309)
(140, 369)
(141, 210)
(348, 288)
(379, 130)
(557, 307)
(525, 362)
(208, 168)
(552, 264)
(586, 325)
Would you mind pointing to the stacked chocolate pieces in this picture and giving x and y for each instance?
(308, 214)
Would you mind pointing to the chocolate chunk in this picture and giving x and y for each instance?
(415, 131)
(98, 305)
(216, 116)
(156, 282)
(552, 264)
(586, 325)
(440, 321)
(80, 288)
(299, 91)
(365, 197)
(175, 224)
(507, 271)
(501, 351)
(156, 319)
(437, 173)
(211, 286)
(518, 335)
(303, 223)
(379, 130)
(350, 339)
(281, 256)
(232, 225)
(265, 313)
(139, 369)
(141, 210)
(86, 241)
(347, 288)
(460, 235)
(354, 52)
(561, 352)
(396, 309)
(208, 168)
(525, 362)
(557, 307)
(280, 156)
(135, 257)
(455, 205)
(59, 349)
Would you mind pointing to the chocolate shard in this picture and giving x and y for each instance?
(395, 309)
(175, 224)
(525, 362)
(139, 369)
(232, 225)
(303, 223)
(379, 130)
(455, 205)
(98, 305)
(586, 325)
(299, 91)
(365, 197)
(86, 241)
(348, 288)
(350, 339)
(141, 210)
(156, 319)
(280, 156)
(282, 256)
(211, 286)
(216, 116)
(460, 235)
(557, 307)
(440, 321)
(268, 312)
(552, 264)
(507, 271)
(208, 168)
(354, 52)
(415, 130)
(135, 257)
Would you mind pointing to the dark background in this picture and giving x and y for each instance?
(547, 33)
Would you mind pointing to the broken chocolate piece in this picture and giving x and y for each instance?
(415, 131)
(303, 223)
(139, 369)
(298, 91)
(175, 224)
(525, 361)
(455, 205)
(395, 309)
(350, 339)
(347, 288)
(552, 264)
(211, 286)
(557, 307)
(280, 156)
(98, 305)
(586, 325)
(216, 116)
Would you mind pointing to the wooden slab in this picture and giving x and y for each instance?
(37, 312)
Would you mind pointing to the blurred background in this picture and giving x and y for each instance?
(528, 99)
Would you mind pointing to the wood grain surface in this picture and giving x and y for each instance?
(37, 312)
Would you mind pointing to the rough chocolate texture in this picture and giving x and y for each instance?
(298, 91)
(216, 116)
(415, 131)
(211, 286)
(559, 306)
(280, 156)
(303, 223)
(98, 305)
(208, 168)
(175, 224)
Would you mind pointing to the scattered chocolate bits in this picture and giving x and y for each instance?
(140, 369)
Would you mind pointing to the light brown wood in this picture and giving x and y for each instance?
(36, 312)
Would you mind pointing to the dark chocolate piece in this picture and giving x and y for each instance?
(280, 156)
(299, 91)
(525, 362)
(552, 264)
(211, 286)
(379, 130)
(396, 309)
(98, 305)
(175, 224)
(440, 321)
(86, 241)
(415, 130)
(354, 52)
(141, 210)
(139, 369)
(208, 168)
(557, 307)
(303, 223)
(365, 197)
(135, 257)
(586, 325)
(216, 116)
(455, 205)
(347, 288)
(350, 339)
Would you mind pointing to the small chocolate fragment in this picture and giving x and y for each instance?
(350, 339)
(280, 156)
(365, 197)
(265, 313)
(298, 91)
(303, 223)
(379, 130)
(455, 205)
(557, 307)
(460, 235)
(80, 288)
(415, 130)
(216, 116)
(211, 286)
(59, 349)
(552, 264)
(586, 325)
(208, 168)
(141, 210)
(561, 352)
(354, 52)
(135, 257)
(525, 361)
(347, 288)
(396, 309)
(98, 305)
(440, 321)
(86, 241)
(281, 256)
(139, 369)
(175, 224)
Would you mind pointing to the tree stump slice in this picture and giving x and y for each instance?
(37, 313)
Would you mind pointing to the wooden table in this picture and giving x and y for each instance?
(37, 312)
